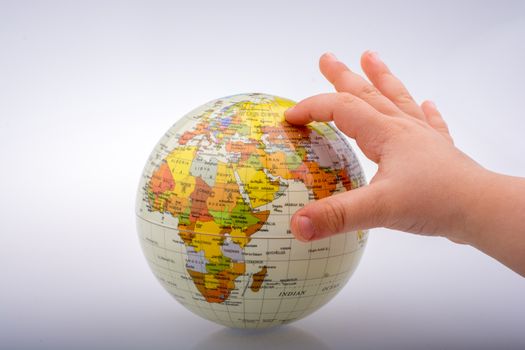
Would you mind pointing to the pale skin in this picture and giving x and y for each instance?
(424, 184)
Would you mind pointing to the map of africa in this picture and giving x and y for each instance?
(214, 206)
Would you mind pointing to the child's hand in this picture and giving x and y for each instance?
(424, 184)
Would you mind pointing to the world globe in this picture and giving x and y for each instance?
(214, 205)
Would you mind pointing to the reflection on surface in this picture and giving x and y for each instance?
(284, 337)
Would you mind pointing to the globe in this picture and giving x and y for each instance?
(214, 205)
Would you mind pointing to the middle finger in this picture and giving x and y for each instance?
(344, 80)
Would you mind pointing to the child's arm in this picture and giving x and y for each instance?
(424, 184)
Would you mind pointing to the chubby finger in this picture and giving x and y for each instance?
(389, 85)
(344, 80)
(353, 116)
(361, 208)
(458, 241)
(434, 118)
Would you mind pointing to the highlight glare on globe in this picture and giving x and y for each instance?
(214, 206)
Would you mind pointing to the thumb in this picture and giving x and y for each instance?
(361, 208)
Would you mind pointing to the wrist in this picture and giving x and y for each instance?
(495, 223)
(474, 196)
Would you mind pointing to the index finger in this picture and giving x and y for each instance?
(351, 115)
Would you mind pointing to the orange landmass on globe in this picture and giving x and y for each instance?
(258, 279)
(223, 285)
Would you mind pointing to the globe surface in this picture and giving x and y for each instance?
(214, 206)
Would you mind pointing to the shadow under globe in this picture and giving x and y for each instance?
(286, 338)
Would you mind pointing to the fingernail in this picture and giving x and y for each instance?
(432, 104)
(374, 57)
(289, 110)
(331, 56)
(306, 228)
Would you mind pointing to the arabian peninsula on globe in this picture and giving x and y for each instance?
(214, 205)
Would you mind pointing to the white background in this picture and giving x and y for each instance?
(87, 89)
